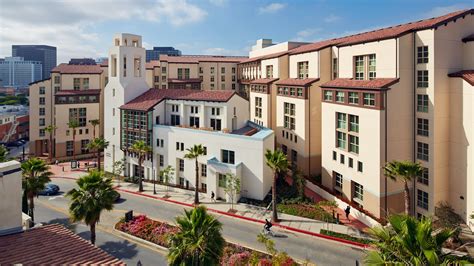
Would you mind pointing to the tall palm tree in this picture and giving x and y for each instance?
(93, 195)
(50, 129)
(141, 149)
(199, 240)
(407, 241)
(94, 123)
(73, 124)
(278, 162)
(193, 153)
(406, 171)
(98, 144)
(35, 176)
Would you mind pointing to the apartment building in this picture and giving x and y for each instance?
(204, 72)
(74, 92)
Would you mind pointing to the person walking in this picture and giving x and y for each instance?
(347, 211)
(212, 196)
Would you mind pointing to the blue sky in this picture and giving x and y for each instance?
(84, 28)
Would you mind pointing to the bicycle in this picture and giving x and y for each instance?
(268, 232)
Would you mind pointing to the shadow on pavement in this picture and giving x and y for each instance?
(65, 222)
(120, 250)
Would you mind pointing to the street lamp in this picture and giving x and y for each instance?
(154, 181)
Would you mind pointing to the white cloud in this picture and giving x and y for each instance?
(271, 8)
(223, 51)
(306, 34)
(331, 18)
(69, 25)
(443, 10)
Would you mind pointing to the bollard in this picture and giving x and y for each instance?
(337, 218)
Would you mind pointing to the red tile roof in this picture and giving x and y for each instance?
(190, 80)
(360, 84)
(75, 92)
(77, 69)
(296, 82)
(263, 81)
(105, 63)
(51, 245)
(263, 57)
(469, 38)
(194, 59)
(152, 97)
(315, 46)
(467, 75)
(152, 64)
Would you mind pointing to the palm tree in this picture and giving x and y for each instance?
(93, 195)
(406, 171)
(193, 153)
(199, 240)
(142, 149)
(278, 162)
(50, 129)
(35, 176)
(407, 241)
(73, 124)
(98, 144)
(94, 123)
(3, 153)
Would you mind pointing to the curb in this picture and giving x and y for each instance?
(340, 240)
(142, 241)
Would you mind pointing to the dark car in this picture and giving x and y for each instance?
(49, 190)
(117, 197)
(14, 144)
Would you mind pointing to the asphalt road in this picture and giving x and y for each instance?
(299, 246)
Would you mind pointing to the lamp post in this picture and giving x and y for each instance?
(154, 181)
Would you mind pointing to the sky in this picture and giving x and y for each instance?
(85, 28)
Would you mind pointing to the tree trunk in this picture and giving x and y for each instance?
(274, 198)
(140, 184)
(407, 199)
(92, 226)
(74, 144)
(50, 147)
(31, 207)
(94, 132)
(98, 159)
(196, 190)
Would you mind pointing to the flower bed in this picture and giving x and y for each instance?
(346, 237)
(307, 210)
(159, 232)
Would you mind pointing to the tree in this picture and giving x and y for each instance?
(3, 153)
(94, 123)
(406, 171)
(118, 167)
(199, 240)
(93, 195)
(167, 175)
(232, 187)
(36, 175)
(141, 149)
(193, 153)
(278, 162)
(50, 129)
(407, 241)
(98, 144)
(299, 182)
(73, 124)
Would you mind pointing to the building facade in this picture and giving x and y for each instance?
(18, 73)
(154, 54)
(45, 54)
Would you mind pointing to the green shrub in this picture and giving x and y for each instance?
(310, 211)
(346, 237)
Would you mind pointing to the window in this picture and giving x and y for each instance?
(228, 157)
(233, 70)
(424, 178)
(194, 109)
(354, 123)
(334, 68)
(294, 156)
(162, 160)
(372, 72)
(203, 170)
(328, 96)
(84, 144)
(423, 127)
(351, 163)
(289, 116)
(360, 167)
(194, 121)
(358, 191)
(340, 96)
(77, 84)
(359, 67)
(69, 148)
(41, 122)
(222, 181)
(205, 150)
(334, 155)
(216, 111)
(422, 54)
(216, 124)
(174, 108)
(422, 103)
(175, 120)
(422, 199)
(222, 70)
(422, 78)
(42, 111)
(269, 71)
(342, 158)
(369, 99)
(85, 83)
(42, 90)
(341, 140)
(212, 70)
(57, 79)
(42, 132)
(42, 100)
(163, 79)
(422, 151)
(354, 144)
(303, 70)
(181, 165)
(299, 92)
(341, 120)
(201, 71)
(163, 70)
(79, 115)
(353, 98)
(339, 181)
(284, 149)
(157, 78)
(157, 119)
(258, 107)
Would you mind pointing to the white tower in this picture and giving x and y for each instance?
(126, 82)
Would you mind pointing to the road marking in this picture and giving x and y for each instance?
(55, 197)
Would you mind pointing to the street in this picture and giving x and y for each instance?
(302, 247)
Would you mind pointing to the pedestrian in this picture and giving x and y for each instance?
(56, 162)
(212, 196)
(347, 211)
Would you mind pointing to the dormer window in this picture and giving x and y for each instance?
(303, 70)
(365, 67)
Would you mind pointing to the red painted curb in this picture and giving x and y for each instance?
(250, 219)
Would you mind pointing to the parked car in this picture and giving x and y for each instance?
(14, 144)
(49, 190)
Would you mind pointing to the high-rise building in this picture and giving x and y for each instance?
(16, 72)
(155, 53)
(45, 54)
